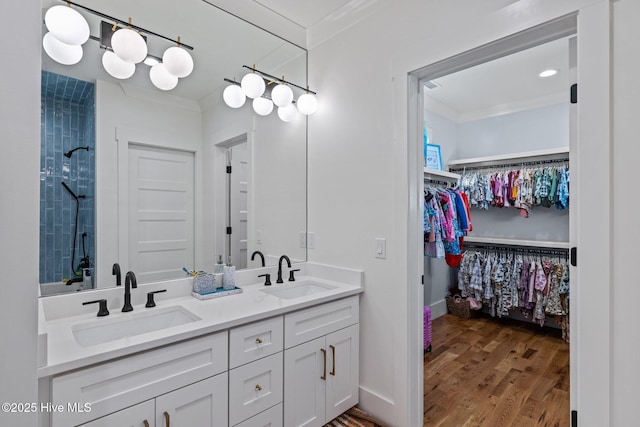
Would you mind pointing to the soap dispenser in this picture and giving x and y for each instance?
(229, 276)
(219, 267)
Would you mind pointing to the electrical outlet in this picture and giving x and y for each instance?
(259, 237)
(303, 239)
(381, 247)
(311, 240)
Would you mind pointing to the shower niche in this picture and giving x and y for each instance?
(67, 183)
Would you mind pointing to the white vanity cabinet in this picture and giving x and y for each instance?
(256, 372)
(321, 359)
(170, 376)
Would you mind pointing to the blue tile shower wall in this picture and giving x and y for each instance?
(67, 121)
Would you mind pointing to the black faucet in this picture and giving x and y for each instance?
(286, 258)
(115, 270)
(258, 253)
(129, 282)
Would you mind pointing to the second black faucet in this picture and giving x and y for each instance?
(129, 282)
(286, 258)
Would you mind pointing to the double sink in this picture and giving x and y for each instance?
(133, 324)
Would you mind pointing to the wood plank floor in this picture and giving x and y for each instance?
(495, 372)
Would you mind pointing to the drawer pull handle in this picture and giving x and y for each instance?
(258, 387)
(324, 371)
(258, 340)
(167, 419)
(333, 356)
(146, 423)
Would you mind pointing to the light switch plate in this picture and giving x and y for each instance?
(303, 239)
(381, 247)
(259, 237)
(311, 240)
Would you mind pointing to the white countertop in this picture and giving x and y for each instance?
(64, 353)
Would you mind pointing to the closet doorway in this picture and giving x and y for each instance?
(503, 130)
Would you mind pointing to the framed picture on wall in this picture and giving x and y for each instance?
(433, 157)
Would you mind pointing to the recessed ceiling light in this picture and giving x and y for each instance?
(548, 73)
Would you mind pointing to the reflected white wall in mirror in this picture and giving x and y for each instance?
(190, 120)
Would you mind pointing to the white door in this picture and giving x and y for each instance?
(342, 371)
(140, 415)
(304, 388)
(238, 196)
(161, 212)
(203, 404)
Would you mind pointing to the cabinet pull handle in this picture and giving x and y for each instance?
(258, 340)
(324, 371)
(167, 419)
(258, 387)
(333, 357)
(146, 423)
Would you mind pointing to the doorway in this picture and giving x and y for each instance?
(440, 75)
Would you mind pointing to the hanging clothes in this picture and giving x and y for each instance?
(446, 221)
(522, 188)
(504, 280)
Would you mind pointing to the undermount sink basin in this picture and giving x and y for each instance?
(129, 325)
(291, 291)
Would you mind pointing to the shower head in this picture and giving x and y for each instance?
(69, 153)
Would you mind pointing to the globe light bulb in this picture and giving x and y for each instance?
(233, 96)
(252, 85)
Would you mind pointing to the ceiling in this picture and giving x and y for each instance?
(504, 85)
(304, 13)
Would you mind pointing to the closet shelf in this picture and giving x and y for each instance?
(434, 174)
(529, 156)
(518, 242)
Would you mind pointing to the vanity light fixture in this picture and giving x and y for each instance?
(124, 47)
(254, 84)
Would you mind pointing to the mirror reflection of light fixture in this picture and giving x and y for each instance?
(67, 25)
(161, 78)
(262, 106)
(62, 53)
(233, 96)
(125, 47)
(129, 45)
(281, 95)
(288, 113)
(116, 67)
(252, 85)
(177, 61)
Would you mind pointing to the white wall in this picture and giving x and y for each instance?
(626, 152)
(157, 119)
(358, 159)
(19, 210)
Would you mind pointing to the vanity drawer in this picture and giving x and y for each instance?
(254, 341)
(255, 387)
(311, 323)
(111, 386)
(272, 417)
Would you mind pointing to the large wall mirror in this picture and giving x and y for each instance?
(138, 175)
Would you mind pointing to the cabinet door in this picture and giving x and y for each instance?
(135, 416)
(342, 371)
(203, 404)
(304, 390)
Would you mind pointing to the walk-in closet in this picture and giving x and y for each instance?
(497, 233)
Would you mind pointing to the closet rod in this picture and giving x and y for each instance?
(515, 248)
(509, 165)
(440, 182)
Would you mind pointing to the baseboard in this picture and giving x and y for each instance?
(438, 309)
(376, 405)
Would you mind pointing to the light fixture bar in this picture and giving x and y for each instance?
(126, 23)
(274, 78)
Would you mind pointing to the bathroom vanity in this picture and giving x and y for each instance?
(275, 355)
